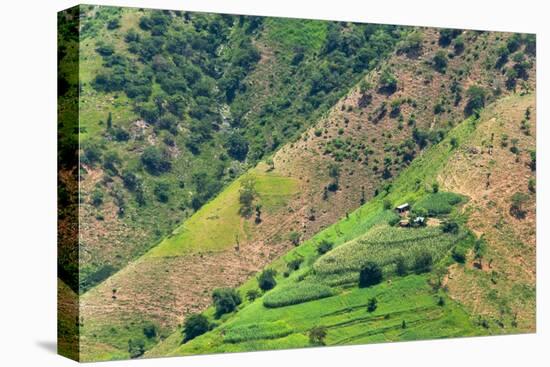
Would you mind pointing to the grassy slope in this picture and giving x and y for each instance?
(409, 298)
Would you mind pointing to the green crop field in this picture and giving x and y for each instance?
(296, 293)
(384, 245)
(438, 203)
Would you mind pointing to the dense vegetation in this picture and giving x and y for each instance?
(190, 109)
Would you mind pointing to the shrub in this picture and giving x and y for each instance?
(387, 82)
(294, 237)
(97, 198)
(194, 326)
(423, 262)
(136, 347)
(450, 227)
(317, 335)
(517, 205)
(162, 192)
(252, 294)
(370, 274)
(247, 194)
(400, 266)
(439, 61)
(225, 300)
(150, 330)
(476, 100)
(296, 293)
(237, 146)
(155, 161)
(459, 254)
(130, 180)
(446, 35)
(324, 246)
(266, 279)
(372, 304)
(294, 264)
(387, 204)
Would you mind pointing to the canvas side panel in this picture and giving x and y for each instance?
(67, 183)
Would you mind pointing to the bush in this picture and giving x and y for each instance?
(294, 264)
(423, 262)
(388, 82)
(150, 330)
(194, 326)
(371, 274)
(450, 227)
(476, 100)
(136, 347)
(324, 246)
(372, 304)
(459, 254)
(517, 207)
(266, 279)
(439, 61)
(400, 266)
(97, 198)
(225, 300)
(294, 237)
(162, 192)
(252, 294)
(237, 146)
(317, 335)
(155, 161)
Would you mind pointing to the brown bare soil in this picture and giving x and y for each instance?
(503, 285)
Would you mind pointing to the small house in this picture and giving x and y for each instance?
(402, 208)
(419, 221)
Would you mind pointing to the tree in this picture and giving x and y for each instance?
(423, 262)
(476, 99)
(162, 192)
(450, 226)
(155, 161)
(435, 187)
(387, 204)
(517, 206)
(195, 325)
(324, 246)
(237, 146)
(371, 274)
(294, 237)
(225, 300)
(150, 330)
(136, 347)
(400, 266)
(252, 294)
(372, 304)
(97, 198)
(247, 194)
(480, 249)
(317, 335)
(454, 142)
(439, 61)
(110, 121)
(388, 82)
(531, 185)
(266, 279)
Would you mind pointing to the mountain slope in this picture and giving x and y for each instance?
(409, 307)
(353, 152)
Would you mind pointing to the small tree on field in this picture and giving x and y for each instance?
(423, 262)
(266, 279)
(476, 100)
(371, 274)
(317, 335)
(450, 227)
(440, 61)
(136, 347)
(150, 330)
(387, 204)
(194, 326)
(372, 304)
(435, 187)
(225, 300)
(480, 249)
(324, 246)
(247, 194)
(517, 206)
(252, 294)
(294, 237)
(400, 266)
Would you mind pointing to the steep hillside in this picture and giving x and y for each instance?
(352, 153)
(411, 303)
(175, 105)
(497, 171)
